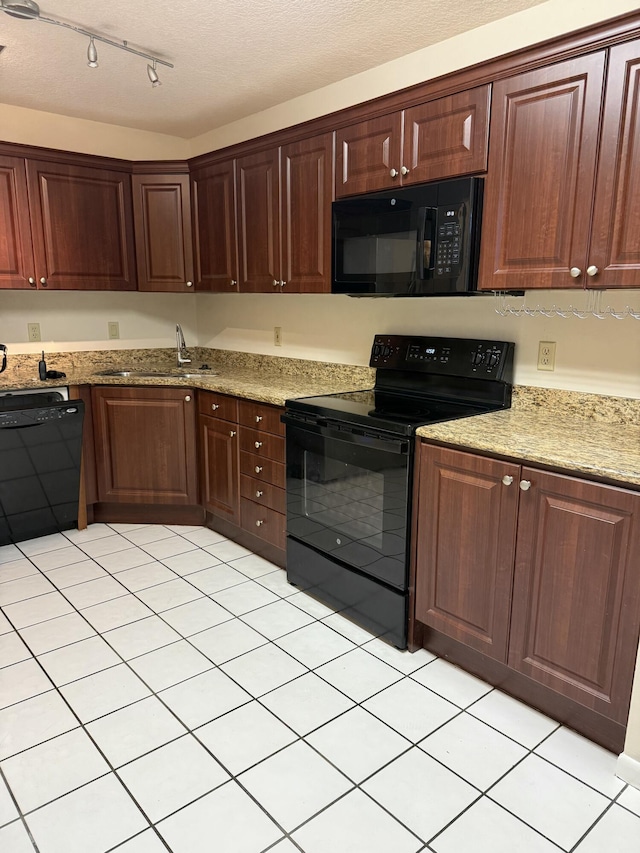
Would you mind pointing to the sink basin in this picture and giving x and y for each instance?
(166, 374)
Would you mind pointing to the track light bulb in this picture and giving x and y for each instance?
(151, 72)
(92, 54)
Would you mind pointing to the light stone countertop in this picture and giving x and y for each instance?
(590, 434)
(582, 433)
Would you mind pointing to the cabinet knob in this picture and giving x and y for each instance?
(259, 522)
(32, 281)
(393, 173)
(258, 469)
(592, 270)
(43, 281)
(275, 282)
(525, 485)
(404, 171)
(232, 432)
(575, 272)
(215, 406)
(507, 480)
(258, 418)
(257, 445)
(233, 283)
(187, 399)
(189, 284)
(283, 283)
(258, 493)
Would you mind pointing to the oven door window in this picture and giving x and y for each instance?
(349, 501)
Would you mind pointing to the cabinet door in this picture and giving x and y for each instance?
(366, 154)
(219, 476)
(17, 268)
(82, 226)
(615, 240)
(447, 137)
(466, 523)
(162, 218)
(258, 222)
(307, 192)
(214, 216)
(576, 598)
(145, 445)
(539, 187)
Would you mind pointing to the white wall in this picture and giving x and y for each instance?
(78, 321)
(600, 356)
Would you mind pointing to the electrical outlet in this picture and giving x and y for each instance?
(114, 330)
(546, 355)
(33, 332)
(277, 336)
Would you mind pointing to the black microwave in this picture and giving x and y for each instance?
(412, 241)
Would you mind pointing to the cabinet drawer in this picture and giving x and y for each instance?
(263, 522)
(260, 416)
(218, 406)
(265, 494)
(265, 470)
(262, 444)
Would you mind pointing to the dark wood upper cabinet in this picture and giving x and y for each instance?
(17, 267)
(368, 155)
(307, 193)
(576, 597)
(145, 442)
(465, 547)
(162, 219)
(258, 186)
(82, 227)
(615, 238)
(447, 137)
(214, 224)
(439, 139)
(539, 187)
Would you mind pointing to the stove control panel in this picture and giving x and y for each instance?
(467, 357)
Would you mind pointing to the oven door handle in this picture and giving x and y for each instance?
(348, 434)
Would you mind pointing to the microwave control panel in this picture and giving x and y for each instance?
(448, 255)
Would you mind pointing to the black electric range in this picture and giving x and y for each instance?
(350, 465)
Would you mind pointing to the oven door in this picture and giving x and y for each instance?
(348, 497)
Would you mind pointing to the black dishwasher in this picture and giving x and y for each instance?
(40, 453)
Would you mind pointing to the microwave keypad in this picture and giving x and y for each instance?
(448, 250)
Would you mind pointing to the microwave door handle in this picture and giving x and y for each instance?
(426, 248)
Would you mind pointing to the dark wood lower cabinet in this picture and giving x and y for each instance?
(219, 467)
(145, 445)
(531, 577)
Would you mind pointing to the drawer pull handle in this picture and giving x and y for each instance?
(258, 418)
(258, 469)
(258, 444)
(258, 493)
(215, 406)
(507, 480)
(232, 433)
(259, 522)
(525, 485)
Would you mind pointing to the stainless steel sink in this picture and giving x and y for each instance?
(166, 374)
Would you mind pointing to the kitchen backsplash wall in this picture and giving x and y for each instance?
(598, 356)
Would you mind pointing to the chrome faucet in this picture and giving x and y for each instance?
(181, 347)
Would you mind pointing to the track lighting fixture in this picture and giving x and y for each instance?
(28, 10)
(92, 54)
(151, 72)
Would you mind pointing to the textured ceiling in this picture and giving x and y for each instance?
(232, 58)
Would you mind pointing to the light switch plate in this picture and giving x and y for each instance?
(114, 330)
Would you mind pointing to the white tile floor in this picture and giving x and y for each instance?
(162, 689)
